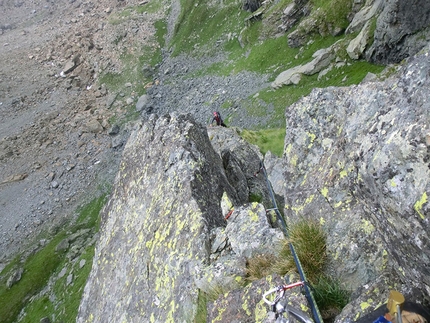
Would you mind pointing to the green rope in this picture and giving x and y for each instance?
(309, 296)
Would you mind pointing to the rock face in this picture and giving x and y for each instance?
(164, 236)
(402, 29)
(357, 159)
(387, 32)
(156, 226)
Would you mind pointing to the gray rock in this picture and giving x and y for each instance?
(69, 279)
(114, 130)
(402, 29)
(62, 272)
(355, 159)
(142, 103)
(173, 172)
(14, 278)
(117, 142)
(241, 162)
(45, 320)
(245, 304)
(148, 71)
(93, 126)
(70, 65)
(63, 245)
(357, 46)
(322, 58)
(361, 18)
(275, 168)
(249, 232)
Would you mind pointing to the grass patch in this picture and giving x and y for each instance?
(267, 139)
(37, 271)
(89, 213)
(330, 296)
(259, 266)
(253, 197)
(132, 12)
(43, 264)
(332, 12)
(201, 25)
(309, 241)
(202, 310)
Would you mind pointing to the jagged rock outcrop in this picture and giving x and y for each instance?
(165, 238)
(242, 163)
(156, 226)
(387, 32)
(357, 159)
(402, 29)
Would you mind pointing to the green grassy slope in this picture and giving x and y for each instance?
(254, 45)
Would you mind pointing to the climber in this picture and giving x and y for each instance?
(218, 119)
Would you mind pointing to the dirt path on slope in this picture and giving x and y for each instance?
(58, 146)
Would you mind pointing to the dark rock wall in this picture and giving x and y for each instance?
(402, 29)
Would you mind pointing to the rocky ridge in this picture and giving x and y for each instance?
(363, 175)
(43, 137)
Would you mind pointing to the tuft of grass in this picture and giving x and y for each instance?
(254, 197)
(202, 310)
(330, 296)
(309, 241)
(259, 266)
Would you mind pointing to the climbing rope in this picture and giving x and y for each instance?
(308, 293)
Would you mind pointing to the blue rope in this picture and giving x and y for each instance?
(314, 308)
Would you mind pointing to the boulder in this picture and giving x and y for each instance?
(241, 162)
(142, 103)
(93, 126)
(362, 17)
(14, 278)
(322, 59)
